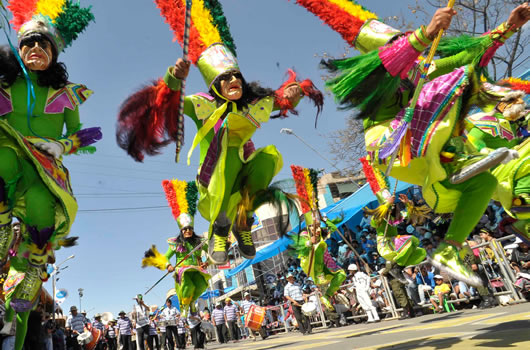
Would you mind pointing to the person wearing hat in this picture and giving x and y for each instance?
(245, 306)
(362, 284)
(231, 311)
(39, 123)
(440, 290)
(293, 293)
(233, 174)
(98, 325)
(111, 331)
(219, 322)
(124, 326)
(75, 324)
(191, 275)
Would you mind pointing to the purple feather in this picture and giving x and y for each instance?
(40, 237)
(392, 143)
(181, 248)
(89, 136)
(21, 305)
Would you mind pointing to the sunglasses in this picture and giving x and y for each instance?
(30, 42)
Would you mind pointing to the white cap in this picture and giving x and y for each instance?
(246, 293)
(438, 277)
(352, 267)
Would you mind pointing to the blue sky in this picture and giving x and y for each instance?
(129, 45)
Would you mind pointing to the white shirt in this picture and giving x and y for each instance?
(361, 281)
(141, 318)
(170, 313)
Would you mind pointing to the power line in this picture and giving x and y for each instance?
(122, 209)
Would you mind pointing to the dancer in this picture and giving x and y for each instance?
(310, 245)
(36, 103)
(426, 139)
(233, 176)
(191, 278)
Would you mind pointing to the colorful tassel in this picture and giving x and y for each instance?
(152, 257)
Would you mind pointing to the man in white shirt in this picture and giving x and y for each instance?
(142, 322)
(293, 293)
(170, 314)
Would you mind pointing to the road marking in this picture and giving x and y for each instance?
(443, 324)
(507, 318)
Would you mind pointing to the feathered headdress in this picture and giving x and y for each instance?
(380, 187)
(516, 84)
(61, 21)
(306, 182)
(182, 198)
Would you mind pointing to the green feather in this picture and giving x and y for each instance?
(192, 195)
(450, 46)
(73, 21)
(219, 20)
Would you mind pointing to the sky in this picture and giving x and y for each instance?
(122, 208)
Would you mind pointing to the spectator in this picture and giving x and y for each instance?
(411, 286)
(231, 315)
(98, 325)
(440, 291)
(425, 282)
(218, 320)
(362, 284)
(125, 331)
(75, 325)
(520, 262)
(142, 322)
(152, 339)
(293, 293)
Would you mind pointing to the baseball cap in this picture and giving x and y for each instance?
(122, 312)
(73, 308)
(290, 275)
(228, 299)
(352, 267)
(438, 277)
(246, 293)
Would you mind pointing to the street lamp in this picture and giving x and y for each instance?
(54, 280)
(291, 132)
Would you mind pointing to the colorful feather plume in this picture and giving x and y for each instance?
(208, 24)
(152, 257)
(69, 18)
(346, 17)
(306, 182)
(516, 84)
(181, 196)
(374, 176)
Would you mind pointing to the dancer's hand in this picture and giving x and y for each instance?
(519, 16)
(511, 156)
(440, 20)
(181, 69)
(170, 268)
(53, 148)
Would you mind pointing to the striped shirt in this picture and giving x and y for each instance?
(111, 331)
(218, 316)
(293, 291)
(98, 325)
(124, 326)
(231, 312)
(246, 304)
(181, 326)
(152, 328)
(76, 323)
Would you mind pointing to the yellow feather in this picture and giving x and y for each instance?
(180, 192)
(309, 188)
(355, 10)
(156, 260)
(203, 21)
(50, 8)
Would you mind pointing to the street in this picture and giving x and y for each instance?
(497, 328)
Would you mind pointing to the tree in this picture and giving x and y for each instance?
(474, 18)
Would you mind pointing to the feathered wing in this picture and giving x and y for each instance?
(154, 258)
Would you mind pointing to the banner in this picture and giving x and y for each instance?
(60, 296)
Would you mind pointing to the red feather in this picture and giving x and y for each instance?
(143, 120)
(171, 197)
(174, 11)
(299, 181)
(339, 20)
(22, 11)
(308, 89)
(370, 175)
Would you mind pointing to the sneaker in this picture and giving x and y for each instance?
(244, 241)
(218, 244)
(446, 258)
(488, 162)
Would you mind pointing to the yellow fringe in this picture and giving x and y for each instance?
(309, 188)
(203, 21)
(380, 213)
(50, 8)
(159, 261)
(355, 10)
(417, 214)
(243, 208)
(180, 192)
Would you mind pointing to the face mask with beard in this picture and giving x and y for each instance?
(514, 111)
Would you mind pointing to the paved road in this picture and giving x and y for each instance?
(498, 328)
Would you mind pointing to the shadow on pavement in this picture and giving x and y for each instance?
(504, 335)
(447, 316)
(375, 331)
(444, 343)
